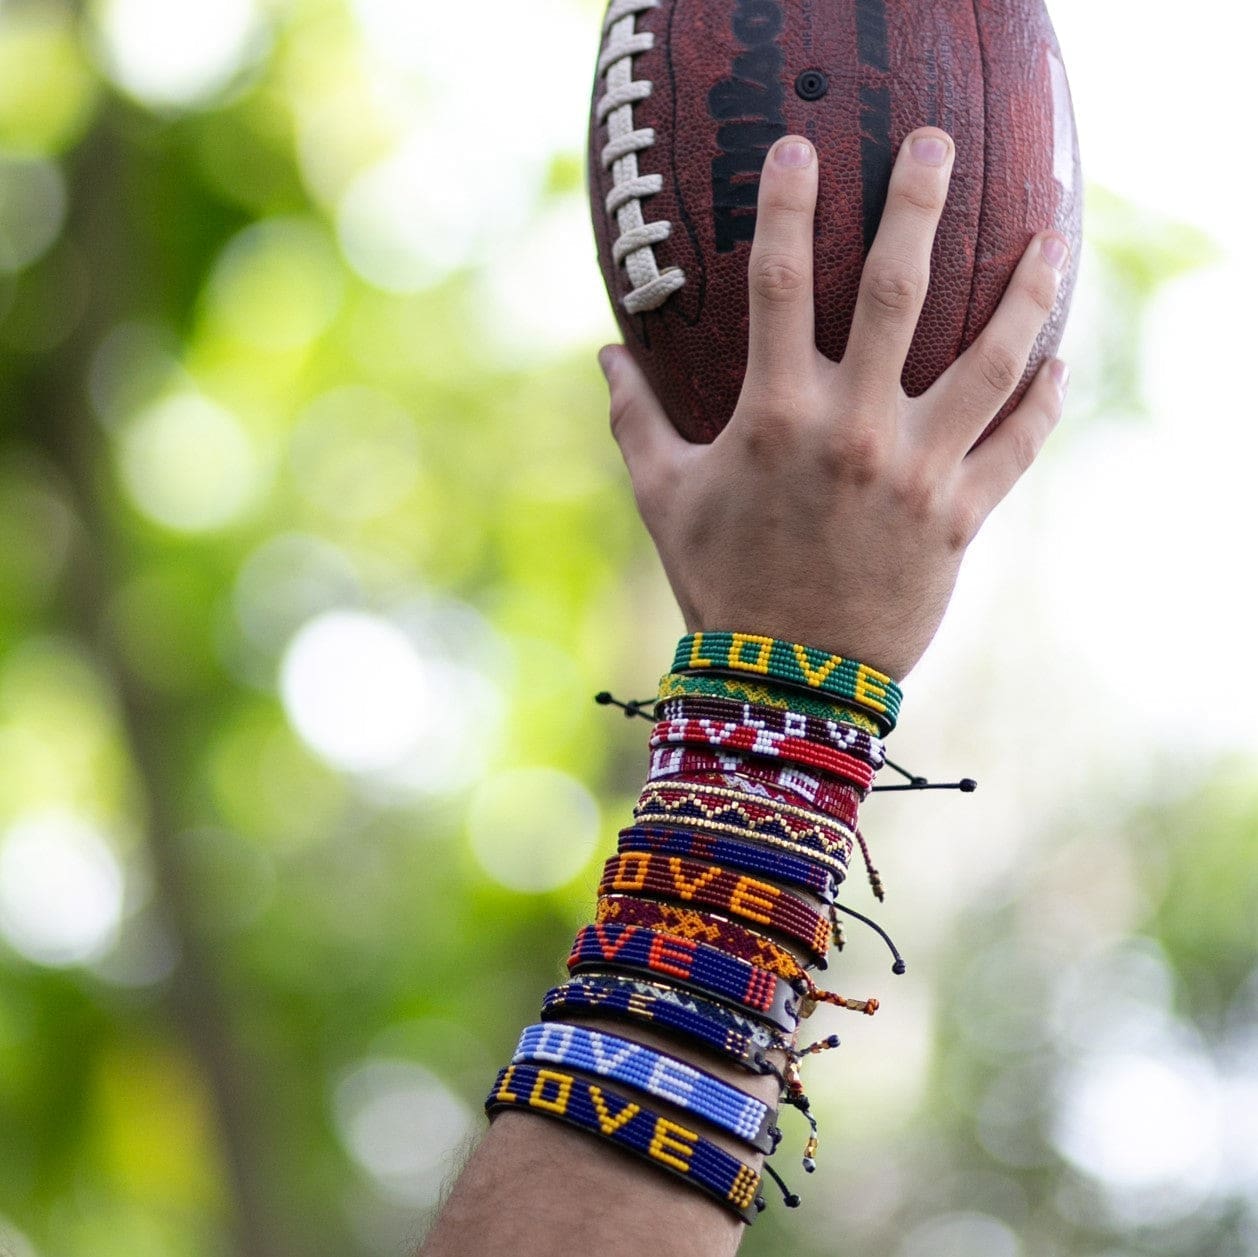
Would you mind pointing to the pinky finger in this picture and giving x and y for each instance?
(991, 469)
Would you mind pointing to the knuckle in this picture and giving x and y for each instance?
(1024, 446)
(777, 277)
(859, 454)
(999, 367)
(893, 288)
(1042, 293)
(919, 196)
(620, 415)
(963, 525)
(917, 489)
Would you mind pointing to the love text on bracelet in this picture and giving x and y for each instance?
(763, 744)
(688, 1016)
(739, 894)
(693, 965)
(621, 1121)
(792, 664)
(764, 694)
(745, 853)
(653, 1073)
(826, 732)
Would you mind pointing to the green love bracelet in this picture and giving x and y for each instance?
(788, 663)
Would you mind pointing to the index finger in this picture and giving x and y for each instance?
(782, 339)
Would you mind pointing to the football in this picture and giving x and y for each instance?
(689, 96)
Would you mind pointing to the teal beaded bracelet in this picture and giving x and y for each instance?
(787, 663)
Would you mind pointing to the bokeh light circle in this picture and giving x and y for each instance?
(32, 210)
(61, 889)
(189, 464)
(533, 829)
(182, 53)
(277, 284)
(355, 689)
(402, 1125)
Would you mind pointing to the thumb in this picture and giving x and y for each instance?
(648, 441)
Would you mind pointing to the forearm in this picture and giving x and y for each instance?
(535, 1187)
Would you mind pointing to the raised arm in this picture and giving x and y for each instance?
(832, 512)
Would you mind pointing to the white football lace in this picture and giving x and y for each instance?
(635, 246)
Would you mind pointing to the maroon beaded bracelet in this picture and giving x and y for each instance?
(835, 798)
(763, 744)
(703, 927)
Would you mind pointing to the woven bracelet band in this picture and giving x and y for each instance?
(653, 1073)
(735, 940)
(750, 856)
(791, 664)
(828, 732)
(690, 1017)
(704, 927)
(763, 694)
(762, 744)
(693, 965)
(752, 815)
(691, 882)
(837, 799)
(625, 1123)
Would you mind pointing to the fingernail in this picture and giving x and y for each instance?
(605, 362)
(793, 153)
(1061, 376)
(1055, 251)
(930, 150)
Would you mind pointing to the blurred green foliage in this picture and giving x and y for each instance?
(258, 957)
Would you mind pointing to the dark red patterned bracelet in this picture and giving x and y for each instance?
(827, 732)
(735, 940)
(693, 882)
(762, 744)
(702, 927)
(761, 854)
(838, 799)
(762, 786)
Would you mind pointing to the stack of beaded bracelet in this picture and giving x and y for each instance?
(718, 903)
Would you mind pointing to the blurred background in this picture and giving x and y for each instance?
(314, 549)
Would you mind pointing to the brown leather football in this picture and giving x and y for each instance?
(689, 96)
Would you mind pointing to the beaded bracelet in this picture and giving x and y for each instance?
(827, 731)
(748, 856)
(736, 941)
(672, 878)
(627, 1124)
(751, 740)
(688, 802)
(791, 664)
(679, 684)
(693, 965)
(653, 1073)
(737, 1038)
(704, 927)
(827, 794)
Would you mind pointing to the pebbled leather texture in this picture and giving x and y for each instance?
(723, 76)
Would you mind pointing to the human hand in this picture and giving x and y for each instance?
(834, 510)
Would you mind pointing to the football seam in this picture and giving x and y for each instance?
(634, 247)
